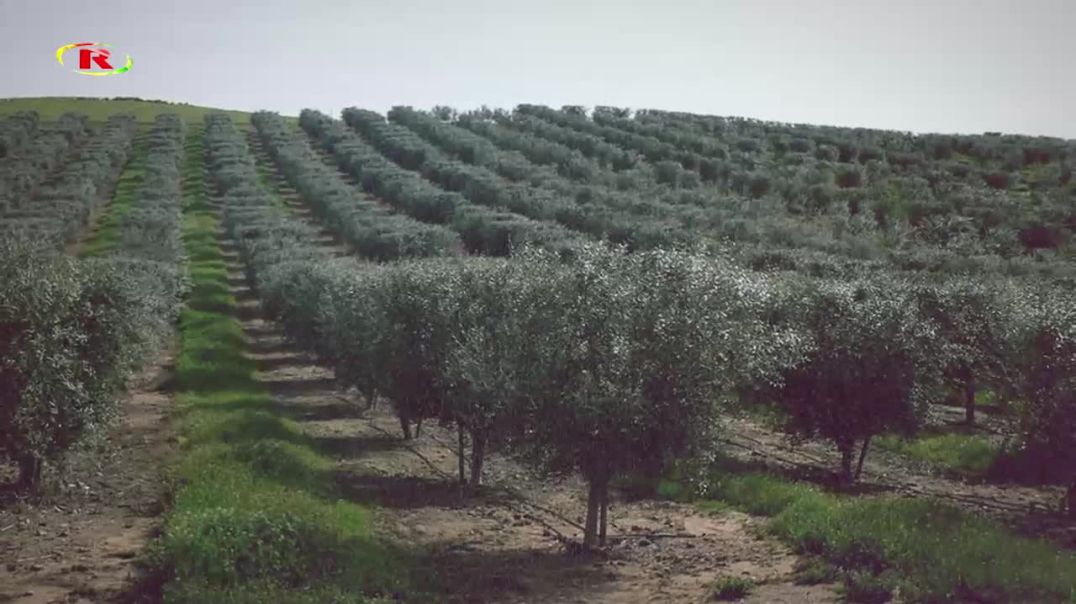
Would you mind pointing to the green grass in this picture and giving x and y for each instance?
(256, 515)
(963, 455)
(110, 229)
(98, 110)
(932, 552)
(985, 400)
(731, 588)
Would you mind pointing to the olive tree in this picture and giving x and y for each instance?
(408, 314)
(1045, 363)
(974, 323)
(635, 351)
(870, 358)
(482, 364)
(70, 333)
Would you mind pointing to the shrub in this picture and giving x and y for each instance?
(826, 153)
(998, 180)
(865, 587)
(730, 588)
(812, 571)
(849, 178)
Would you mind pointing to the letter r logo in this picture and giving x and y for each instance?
(94, 59)
(97, 55)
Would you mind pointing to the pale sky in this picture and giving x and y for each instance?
(920, 65)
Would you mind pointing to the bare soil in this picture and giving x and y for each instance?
(506, 541)
(81, 541)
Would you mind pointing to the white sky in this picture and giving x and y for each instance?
(944, 65)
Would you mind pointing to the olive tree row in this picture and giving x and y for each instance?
(482, 185)
(21, 172)
(632, 218)
(483, 230)
(962, 176)
(879, 349)
(16, 130)
(57, 209)
(150, 249)
(150, 230)
(73, 330)
(528, 118)
(637, 348)
(370, 227)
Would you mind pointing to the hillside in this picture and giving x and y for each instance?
(531, 355)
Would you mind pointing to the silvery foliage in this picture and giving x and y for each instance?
(74, 331)
(371, 228)
(483, 230)
(59, 208)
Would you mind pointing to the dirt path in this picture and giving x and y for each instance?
(504, 544)
(80, 543)
(1031, 509)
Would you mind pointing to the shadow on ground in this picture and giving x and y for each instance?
(465, 575)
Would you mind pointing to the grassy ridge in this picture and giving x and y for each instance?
(50, 108)
(924, 550)
(256, 518)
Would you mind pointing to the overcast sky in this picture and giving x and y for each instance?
(921, 65)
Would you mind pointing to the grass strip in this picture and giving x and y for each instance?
(919, 549)
(110, 229)
(256, 516)
(968, 456)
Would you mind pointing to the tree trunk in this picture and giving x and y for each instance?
(478, 454)
(969, 401)
(1070, 496)
(29, 472)
(847, 450)
(598, 487)
(460, 453)
(418, 428)
(603, 517)
(862, 456)
(406, 427)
